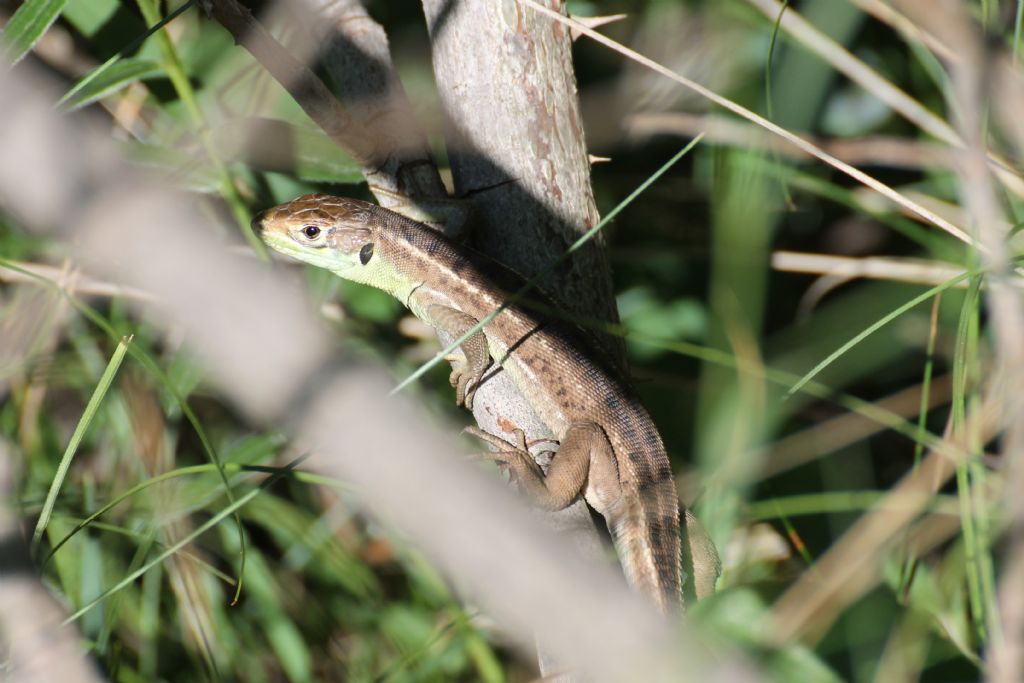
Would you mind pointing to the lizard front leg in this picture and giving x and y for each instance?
(477, 359)
(584, 463)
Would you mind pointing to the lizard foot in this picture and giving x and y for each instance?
(510, 456)
(461, 379)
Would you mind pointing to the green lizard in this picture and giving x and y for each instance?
(610, 450)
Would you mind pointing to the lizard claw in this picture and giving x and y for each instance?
(497, 442)
(507, 452)
(460, 380)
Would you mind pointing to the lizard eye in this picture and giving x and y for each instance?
(311, 231)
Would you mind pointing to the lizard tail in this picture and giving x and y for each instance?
(646, 536)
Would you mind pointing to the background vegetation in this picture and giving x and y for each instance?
(719, 329)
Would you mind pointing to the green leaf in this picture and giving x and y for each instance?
(108, 79)
(306, 153)
(797, 662)
(190, 171)
(367, 303)
(89, 16)
(28, 25)
(290, 647)
(319, 159)
(644, 313)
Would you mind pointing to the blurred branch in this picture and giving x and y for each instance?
(299, 80)
(393, 158)
(480, 535)
(71, 282)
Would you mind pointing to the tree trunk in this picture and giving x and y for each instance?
(515, 144)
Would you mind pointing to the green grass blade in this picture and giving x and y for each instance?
(230, 510)
(970, 488)
(108, 79)
(874, 327)
(832, 502)
(28, 25)
(76, 438)
(304, 477)
(770, 60)
(926, 381)
(105, 67)
(153, 367)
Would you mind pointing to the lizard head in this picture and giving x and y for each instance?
(325, 231)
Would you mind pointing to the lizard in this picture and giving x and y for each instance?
(610, 450)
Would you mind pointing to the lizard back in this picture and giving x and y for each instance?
(566, 380)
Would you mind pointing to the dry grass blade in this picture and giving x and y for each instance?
(32, 273)
(857, 71)
(973, 80)
(839, 432)
(796, 140)
(881, 150)
(845, 268)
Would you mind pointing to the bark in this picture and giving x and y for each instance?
(516, 146)
(515, 143)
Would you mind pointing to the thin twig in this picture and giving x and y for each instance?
(877, 150)
(910, 270)
(73, 283)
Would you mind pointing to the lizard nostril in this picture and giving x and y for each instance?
(257, 222)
